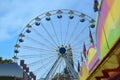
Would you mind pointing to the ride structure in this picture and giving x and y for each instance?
(54, 44)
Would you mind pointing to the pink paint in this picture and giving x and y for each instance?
(95, 58)
(102, 18)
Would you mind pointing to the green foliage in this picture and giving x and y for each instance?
(0, 59)
(5, 60)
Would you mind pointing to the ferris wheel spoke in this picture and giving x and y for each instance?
(77, 53)
(80, 33)
(51, 37)
(70, 67)
(53, 68)
(61, 38)
(64, 65)
(42, 37)
(40, 60)
(76, 57)
(76, 65)
(54, 31)
(75, 28)
(35, 55)
(79, 42)
(43, 66)
(44, 52)
(77, 48)
(48, 68)
(59, 71)
(37, 49)
(38, 42)
(66, 35)
(44, 74)
(56, 68)
(80, 46)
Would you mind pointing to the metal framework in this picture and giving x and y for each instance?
(51, 43)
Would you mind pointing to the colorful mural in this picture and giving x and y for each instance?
(83, 74)
(108, 27)
(107, 33)
(90, 63)
(93, 58)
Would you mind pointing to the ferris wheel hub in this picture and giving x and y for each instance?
(62, 50)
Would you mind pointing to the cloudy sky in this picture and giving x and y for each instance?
(15, 14)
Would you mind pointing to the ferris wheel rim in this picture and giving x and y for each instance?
(34, 19)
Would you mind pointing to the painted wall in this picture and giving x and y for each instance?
(108, 27)
(90, 63)
(107, 32)
(93, 58)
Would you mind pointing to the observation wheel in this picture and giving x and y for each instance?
(51, 44)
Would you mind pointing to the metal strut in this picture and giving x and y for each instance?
(52, 70)
(74, 73)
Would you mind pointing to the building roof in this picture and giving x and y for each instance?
(11, 69)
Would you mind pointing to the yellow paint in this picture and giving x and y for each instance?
(91, 53)
(115, 11)
(111, 27)
(84, 72)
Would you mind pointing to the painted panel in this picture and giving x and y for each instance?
(108, 28)
(93, 58)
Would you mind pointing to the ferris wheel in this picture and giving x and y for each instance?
(51, 43)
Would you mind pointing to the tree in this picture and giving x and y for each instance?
(0, 59)
(5, 60)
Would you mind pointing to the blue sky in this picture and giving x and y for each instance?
(15, 14)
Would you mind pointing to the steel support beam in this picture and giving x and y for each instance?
(74, 73)
(52, 70)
